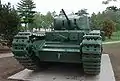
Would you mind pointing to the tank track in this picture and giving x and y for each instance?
(27, 62)
(91, 54)
(23, 51)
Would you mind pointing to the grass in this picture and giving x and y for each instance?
(115, 37)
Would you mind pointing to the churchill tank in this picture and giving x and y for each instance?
(70, 41)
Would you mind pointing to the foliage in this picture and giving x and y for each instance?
(53, 14)
(111, 13)
(9, 21)
(97, 19)
(108, 27)
(25, 9)
(115, 37)
(112, 8)
(43, 21)
(107, 1)
(49, 19)
(82, 11)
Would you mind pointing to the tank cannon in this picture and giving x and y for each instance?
(68, 21)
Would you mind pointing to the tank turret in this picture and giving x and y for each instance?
(70, 22)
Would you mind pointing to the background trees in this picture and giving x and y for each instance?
(107, 1)
(25, 9)
(9, 22)
(82, 11)
(43, 21)
(112, 14)
(108, 27)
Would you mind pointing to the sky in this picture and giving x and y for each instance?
(44, 6)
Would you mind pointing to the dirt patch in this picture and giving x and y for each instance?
(113, 50)
(8, 66)
(4, 49)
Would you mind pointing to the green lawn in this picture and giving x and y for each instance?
(115, 37)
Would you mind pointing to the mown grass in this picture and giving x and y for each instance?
(115, 37)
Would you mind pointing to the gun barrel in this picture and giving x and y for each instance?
(65, 15)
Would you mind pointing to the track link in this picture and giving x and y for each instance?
(27, 62)
(91, 55)
(22, 49)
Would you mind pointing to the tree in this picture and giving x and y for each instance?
(38, 19)
(108, 27)
(112, 8)
(109, 13)
(49, 19)
(96, 21)
(93, 21)
(43, 21)
(9, 22)
(115, 9)
(82, 11)
(25, 9)
(53, 14)
(107, 1)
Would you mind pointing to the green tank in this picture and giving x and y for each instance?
(70, 41)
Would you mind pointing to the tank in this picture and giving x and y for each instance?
(70, 41)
